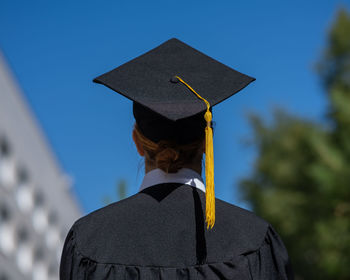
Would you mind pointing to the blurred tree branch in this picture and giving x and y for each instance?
(121, 190)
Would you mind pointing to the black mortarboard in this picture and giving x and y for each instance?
(167, 84)
(147, 80)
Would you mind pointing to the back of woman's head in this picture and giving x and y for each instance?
(168, 155)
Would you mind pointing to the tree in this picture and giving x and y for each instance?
(121, 189)
(301, 178)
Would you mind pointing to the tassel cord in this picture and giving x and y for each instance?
(209, 162)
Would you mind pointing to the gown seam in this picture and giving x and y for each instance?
(78, 252)
(263, 243)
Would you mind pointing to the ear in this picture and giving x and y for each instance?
(138, 145)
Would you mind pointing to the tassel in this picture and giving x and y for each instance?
(209, 173)
(209, 163)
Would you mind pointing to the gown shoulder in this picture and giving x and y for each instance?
(112, 243)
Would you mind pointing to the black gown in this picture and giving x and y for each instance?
(160, 233)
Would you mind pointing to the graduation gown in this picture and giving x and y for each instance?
(160, 233)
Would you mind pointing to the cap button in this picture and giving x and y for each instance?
(174, 79)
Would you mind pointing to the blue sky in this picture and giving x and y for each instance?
(56, 48)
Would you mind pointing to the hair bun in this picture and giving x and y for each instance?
(167, 159)
(170, 156)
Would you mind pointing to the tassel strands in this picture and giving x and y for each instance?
(209, 162)
(209, 173)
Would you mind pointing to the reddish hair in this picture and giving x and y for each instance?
(167, 155)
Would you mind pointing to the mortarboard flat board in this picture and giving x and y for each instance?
(147, 80)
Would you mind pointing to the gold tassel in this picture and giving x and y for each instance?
(209, 163)
(209, 173)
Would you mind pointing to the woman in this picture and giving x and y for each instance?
(174, 228)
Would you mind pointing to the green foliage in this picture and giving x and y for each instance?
(121, 189)
(334, 67)
(301, 178)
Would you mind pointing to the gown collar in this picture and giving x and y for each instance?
(184, 176)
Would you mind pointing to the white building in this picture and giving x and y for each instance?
(37, 206)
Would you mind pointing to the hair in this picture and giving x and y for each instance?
(168, 155)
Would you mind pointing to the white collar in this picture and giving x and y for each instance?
(184, 176)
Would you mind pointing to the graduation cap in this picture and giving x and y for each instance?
(173, 88)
